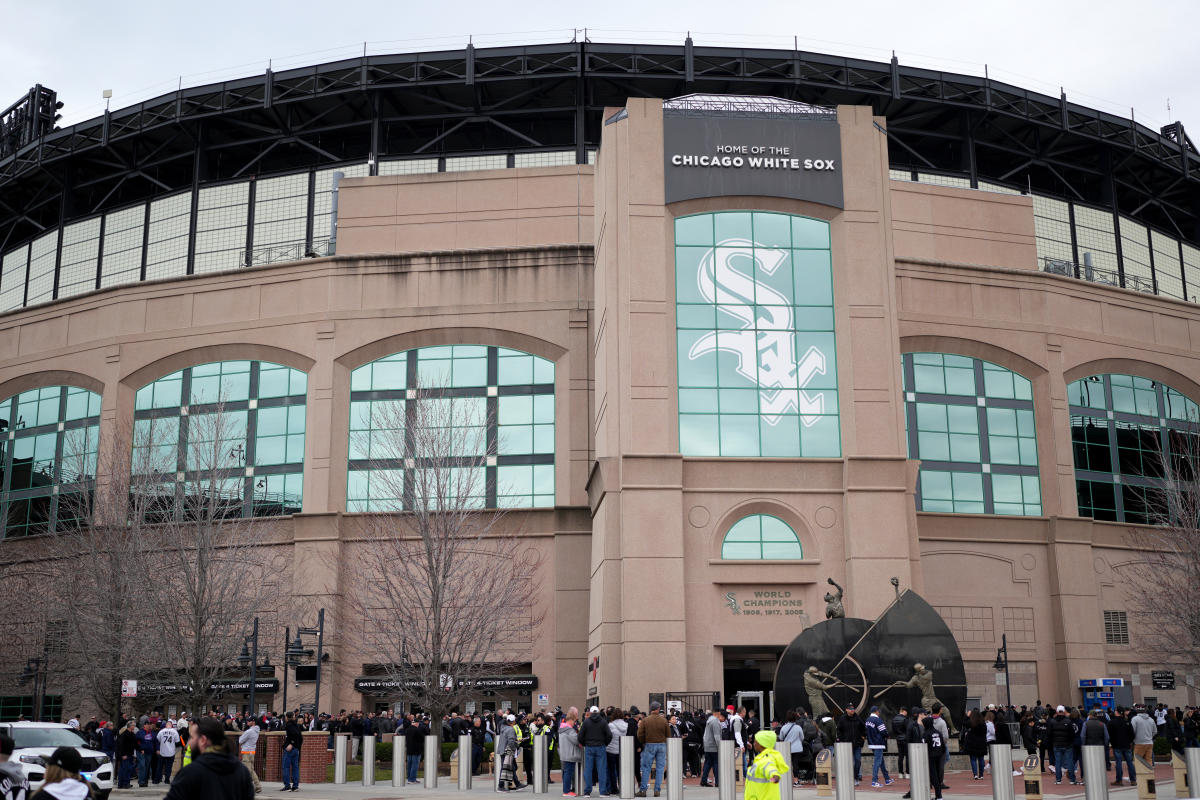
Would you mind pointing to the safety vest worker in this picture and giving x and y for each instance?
(762, 780)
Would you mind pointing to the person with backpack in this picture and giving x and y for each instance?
(792, 732)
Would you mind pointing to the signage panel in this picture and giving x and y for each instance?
(371, 684)
(713, 155)
(1163, 679)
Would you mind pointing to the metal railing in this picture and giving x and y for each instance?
(1094, 274)
(290, 251)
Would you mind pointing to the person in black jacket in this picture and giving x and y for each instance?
(851, 729)
(414, 745)
(594, 736)
(293, 738)
(937, 752)
(126, 755)
(900, 734)
(1062, 740)
(214, 774)
(1120, 736)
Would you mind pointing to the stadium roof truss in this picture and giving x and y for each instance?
(551, 97)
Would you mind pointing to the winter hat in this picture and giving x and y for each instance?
(765, 738)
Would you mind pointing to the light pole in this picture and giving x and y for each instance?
(296, 650)
(1002, 664)
(37, 670)
(250, 655)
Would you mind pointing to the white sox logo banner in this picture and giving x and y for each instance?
(756, 340)
(765, 347)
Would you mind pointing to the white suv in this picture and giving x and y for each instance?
(34, 741)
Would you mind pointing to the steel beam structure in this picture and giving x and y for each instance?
(551, 97)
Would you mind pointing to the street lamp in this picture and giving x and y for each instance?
(249, 656)
(37, 670)
(296, 651)
(292, 653)
(1002, 664)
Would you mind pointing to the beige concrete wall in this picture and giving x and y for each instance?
(636, 580)
(941, 223)
(326, 317)
(465, 210)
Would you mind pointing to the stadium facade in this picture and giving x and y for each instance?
(811, 318)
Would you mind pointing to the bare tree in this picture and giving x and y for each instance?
(99, 566)
(214, 563)
(437, 587)
(1163, 580)
(163, 574)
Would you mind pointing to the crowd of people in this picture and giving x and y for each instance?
(216, 751)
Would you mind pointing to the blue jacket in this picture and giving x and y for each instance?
(147, 741)
(108, 741)
(877, 732)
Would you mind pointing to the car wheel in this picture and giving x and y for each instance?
(100, 794)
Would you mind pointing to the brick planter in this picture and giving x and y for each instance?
(314, 757)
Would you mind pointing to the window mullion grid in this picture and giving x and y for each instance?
(491, 465)
(410, 422)
(985, 447)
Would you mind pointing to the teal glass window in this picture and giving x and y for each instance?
(971, 424)
(761, 536)
(49, 440)
(755, 336)
(1120, 426)
(505, 397)
(235, 425)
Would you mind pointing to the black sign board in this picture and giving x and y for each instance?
(381, 684)
(1162, 679)
(713, 155)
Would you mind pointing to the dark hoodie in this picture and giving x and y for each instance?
(212, 776)
(594, 732)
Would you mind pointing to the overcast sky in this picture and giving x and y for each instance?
(1109, 55)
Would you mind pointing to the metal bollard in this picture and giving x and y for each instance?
(918, 770)
(1002, 777)
(466, 762)
(843, 756)
(339, 758)
(1095, 786)
(399, 759)
(497, 761)
(725, 774)
(1191, 756)
(541, 765)
(627, 778)
(368, 760)
(433, 756)
(675, 769)
(785, 783)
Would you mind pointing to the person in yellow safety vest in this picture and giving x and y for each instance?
(187, 750)
(768, 768)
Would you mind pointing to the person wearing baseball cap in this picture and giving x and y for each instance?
(62, 781)
(767, 769)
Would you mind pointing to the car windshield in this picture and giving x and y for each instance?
(45, 737)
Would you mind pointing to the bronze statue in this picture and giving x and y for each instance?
(815, 687)
(923, 679)
(833, 603)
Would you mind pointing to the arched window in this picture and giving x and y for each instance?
(1120, 424)
(971, 424)
(48, 447)
(507, 395)
(761, 536)
(231, 427)
(755, 336)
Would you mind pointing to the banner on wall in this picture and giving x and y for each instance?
(714, 155)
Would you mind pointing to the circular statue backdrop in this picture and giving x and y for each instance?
(907, 657)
